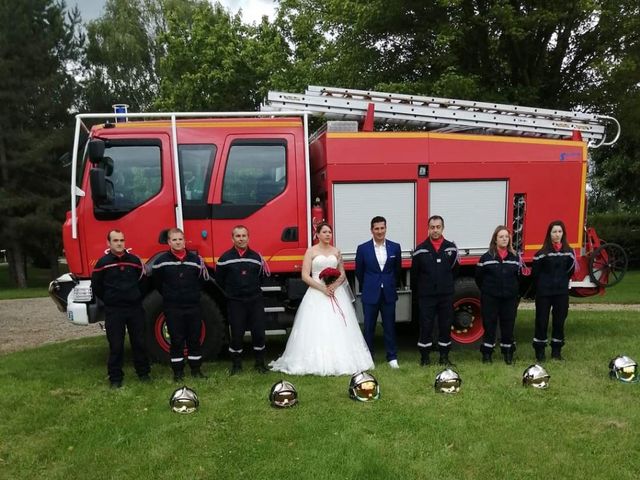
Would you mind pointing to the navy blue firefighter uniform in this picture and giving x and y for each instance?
(120, 283)
(239, 276)
(179, 280)
(498, 281)
(551, 274)
(432, 281)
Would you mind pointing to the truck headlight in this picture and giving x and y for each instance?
(82, 293)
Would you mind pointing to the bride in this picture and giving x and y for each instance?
(326, 338)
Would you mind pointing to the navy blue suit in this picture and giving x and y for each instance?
(378, 289)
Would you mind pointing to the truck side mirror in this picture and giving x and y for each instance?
(98, 183)
(96, 150)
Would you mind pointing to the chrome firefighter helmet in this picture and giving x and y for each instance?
(448, 381)
(184, 400)
(624, 369)
(535, 376)
(283, 394)
(364, 387)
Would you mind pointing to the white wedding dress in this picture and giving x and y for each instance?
(325, 338)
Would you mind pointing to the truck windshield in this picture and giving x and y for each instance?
(133, 175)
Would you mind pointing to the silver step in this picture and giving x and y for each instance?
(445, 115)
(274, 288)
(273, 309)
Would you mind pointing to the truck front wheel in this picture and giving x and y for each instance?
(212, 333)
(467, 325)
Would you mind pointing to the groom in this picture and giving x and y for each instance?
(378, 264)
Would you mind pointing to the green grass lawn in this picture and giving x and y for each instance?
(61, 421)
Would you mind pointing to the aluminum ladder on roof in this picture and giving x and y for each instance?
(444, 114)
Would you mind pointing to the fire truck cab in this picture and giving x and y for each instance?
(208, 172)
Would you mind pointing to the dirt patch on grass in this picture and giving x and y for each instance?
(29, 323)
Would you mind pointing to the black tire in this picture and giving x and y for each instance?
(467, 326)
(607, 265)
(214, 333)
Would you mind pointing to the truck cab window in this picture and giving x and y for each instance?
(133, 175)
(255, 173)
(196, 162)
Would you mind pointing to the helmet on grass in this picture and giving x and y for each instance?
(364, 387)
(283, 394)
(184, 400)
(535, 376)
(448, 381)
(624, 368)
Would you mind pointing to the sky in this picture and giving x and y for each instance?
(252, 10)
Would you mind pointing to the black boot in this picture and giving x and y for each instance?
(197, 373)
(236, 364)
(259, 366)
(507, 353)
(555, 352)
(487, 352)
(540, 356)
(486, 357)
(444, 359)
(508, 357)
(424, 356)
(178, 375)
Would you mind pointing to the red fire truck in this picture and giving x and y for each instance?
(476, 164)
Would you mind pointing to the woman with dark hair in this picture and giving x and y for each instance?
(497, 276)
(326, 338)
(553, 266)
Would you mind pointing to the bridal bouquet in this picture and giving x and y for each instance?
(329, 275)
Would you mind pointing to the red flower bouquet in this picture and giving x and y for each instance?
(329, 275)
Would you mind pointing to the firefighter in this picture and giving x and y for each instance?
(432, 272)
(118, 280)
(553, 267)
(239, 272)
(178, 275)
(497, 277)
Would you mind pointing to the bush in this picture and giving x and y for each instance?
(620, 228)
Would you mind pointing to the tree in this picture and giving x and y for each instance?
(215, 62)
(520, 51)
(578, 54)
(121, 55)
(617, 168)
(37, 91)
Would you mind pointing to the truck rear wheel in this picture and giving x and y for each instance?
(467, 325)
(212, 333)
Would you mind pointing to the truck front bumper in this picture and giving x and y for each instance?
(74, 297)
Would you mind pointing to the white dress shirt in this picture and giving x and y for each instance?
(381, 253)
